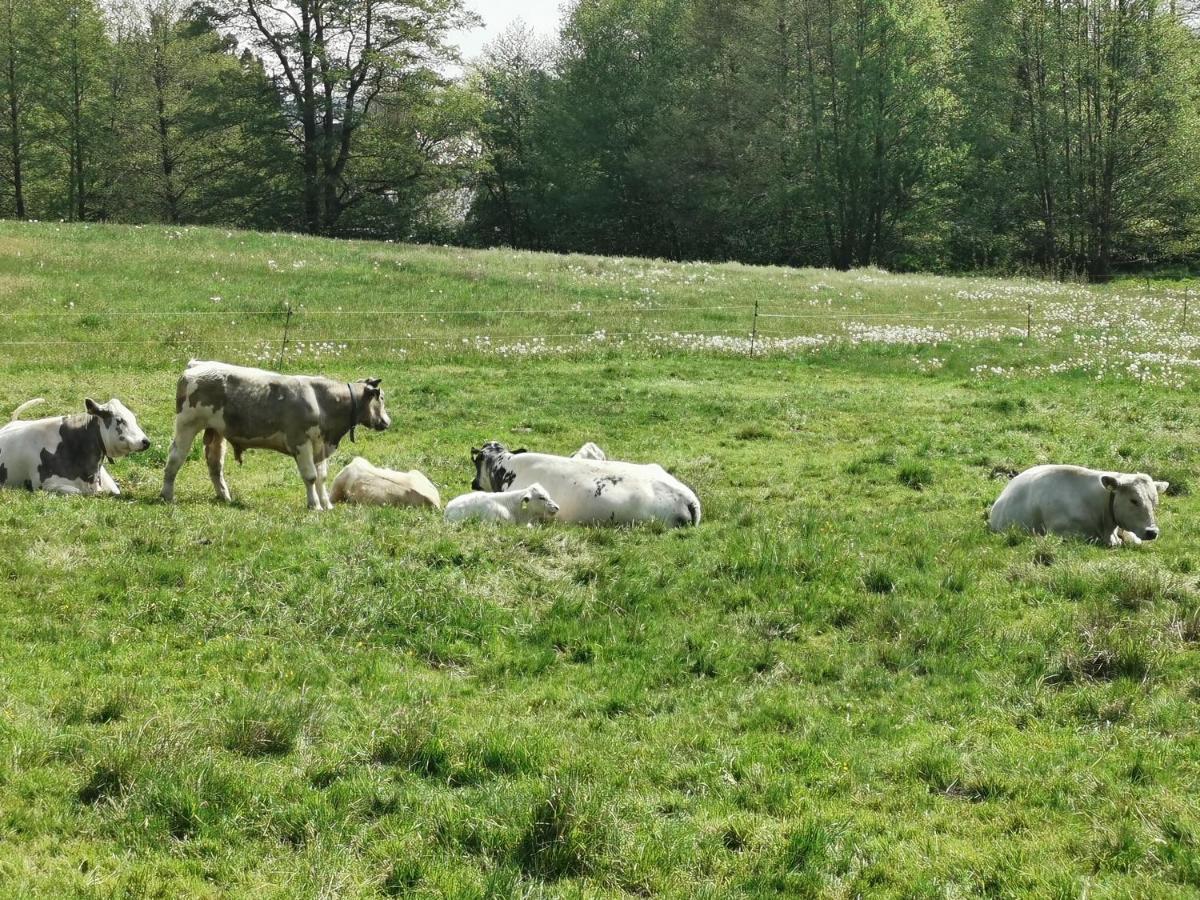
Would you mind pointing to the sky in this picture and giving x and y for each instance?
(541, 15)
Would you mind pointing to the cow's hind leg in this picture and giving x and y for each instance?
(322, 477)
(308, 471)
(181, 446)
(214, 455)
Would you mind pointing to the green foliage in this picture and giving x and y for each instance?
(164, 113)
(1012, 135)
(981, 134)
(202, 129)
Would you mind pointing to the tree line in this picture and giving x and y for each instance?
(1058, 136)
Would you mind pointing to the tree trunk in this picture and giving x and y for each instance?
(75, 140)
(14, 138)
(311, 151)
(163, 128)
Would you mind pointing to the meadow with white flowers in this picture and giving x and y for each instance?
(839, 684)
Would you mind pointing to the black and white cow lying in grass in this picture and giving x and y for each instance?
(1109, 508)
(66, 454)
(590, 491)
(300, 415)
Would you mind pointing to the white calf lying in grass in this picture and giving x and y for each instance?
(522, 507)
(361, 482)
(1110, 508)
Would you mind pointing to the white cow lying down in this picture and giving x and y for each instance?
(522, 507)
(1110, 508)
(590, 491)
(361, 482)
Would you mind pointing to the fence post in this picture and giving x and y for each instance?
(287, 327)
(1028, 321)
(754, 330)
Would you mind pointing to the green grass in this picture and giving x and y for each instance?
(838, 685)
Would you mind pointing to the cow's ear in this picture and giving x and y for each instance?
(95, 409)
(475, 454)
(372, 382)
(525, 498)
(520, 450)
(1161, 486)
(371, 390)
(1110, 482)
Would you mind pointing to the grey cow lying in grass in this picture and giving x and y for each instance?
(1110, 508)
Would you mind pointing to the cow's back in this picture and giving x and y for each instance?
(21, 445)
(1036, 494)
(250, 407)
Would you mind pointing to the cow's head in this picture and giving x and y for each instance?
(370, 410)
(491, 474)
(119, 431)
(1133, 499)
(537, 504)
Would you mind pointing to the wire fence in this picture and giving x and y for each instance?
(286, 332)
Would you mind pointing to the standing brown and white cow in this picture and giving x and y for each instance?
(300, 415)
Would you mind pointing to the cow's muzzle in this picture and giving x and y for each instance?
(1150, 534)
(145, 444)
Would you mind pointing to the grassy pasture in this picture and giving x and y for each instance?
(839, 685)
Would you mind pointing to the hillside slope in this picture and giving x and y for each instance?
(838, 685)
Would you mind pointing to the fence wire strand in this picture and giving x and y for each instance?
(728, 317)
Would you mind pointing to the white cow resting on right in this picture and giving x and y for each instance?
(1109, 508)
(590, 491)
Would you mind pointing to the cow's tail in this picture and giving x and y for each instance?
(24, 406)
(694, 509)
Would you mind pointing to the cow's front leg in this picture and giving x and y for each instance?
(107, 484)
(308, 471)
(1127, 537)
(63, 486)
(322, 491)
